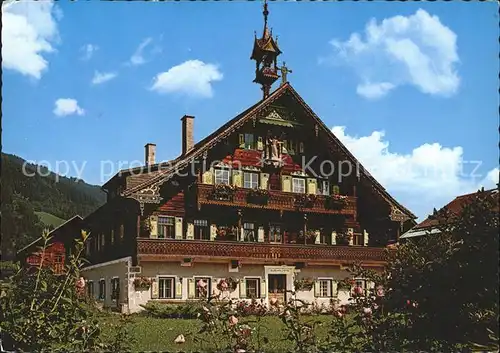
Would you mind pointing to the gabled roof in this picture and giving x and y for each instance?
(73, 219)
(430, 224)
(233, 124)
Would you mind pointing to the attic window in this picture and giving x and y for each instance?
(247, 141)
(222, 176)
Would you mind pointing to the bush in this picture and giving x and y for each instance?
(188, 310)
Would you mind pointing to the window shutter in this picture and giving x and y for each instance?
(317, 237)
(264, 179)
(260, 234)
(178, 228)
(311, 186)
(263, 288)
(178, 289)
(208, 177)
(335, 190)
(190, 231)
(242, 140)
(213, 231)
(243, 288)
(286, 183)
(153, 231)
(301, 147)
(191, 288)
(335, 292)
(350, 232)
(237, 178)
(260, 144)
(334, 237)
(316, 289)
(366, 237)
(154, 289)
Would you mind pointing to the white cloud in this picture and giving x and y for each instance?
(67, 106)
(101, 77)
(374, 90)
(88, 51)
(430, 176)
(29, 32)
(192, 78)
(138, 57)
(416, 50)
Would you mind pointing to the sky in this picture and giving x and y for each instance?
(411, 88)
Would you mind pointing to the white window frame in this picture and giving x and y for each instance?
(220, 176)
(330, 284)
(248, 183)
(295, 186)
(173, 280)
(113, 280)
(90, 293)
(161, 225)
(259, 281)
(249, 145)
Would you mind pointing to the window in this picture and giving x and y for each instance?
(325, 288)
(166, 227)
(102, 289)
(208, 286)
(166, 287)
(201, 229)
(115, 288)
(90, 289)
(357, 239)
(249, 232)
(324, 187)
(249, 141)
(250, 180)
(112, 240)
(274, 234)
(299, 185)
(122, 231)
(103, 240)
(252, 287)
(222, 176)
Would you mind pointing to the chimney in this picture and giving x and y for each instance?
(187, 134)
(150, 149)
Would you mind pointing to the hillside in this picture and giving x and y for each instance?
(49, 220)
(23, 195)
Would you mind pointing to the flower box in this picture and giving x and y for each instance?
(305, 284)
(142, 283)
(258, 196)
(223, 192)
(335, 202)
(305, 200)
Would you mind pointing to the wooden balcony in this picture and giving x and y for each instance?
(161, 250)
(277, 200)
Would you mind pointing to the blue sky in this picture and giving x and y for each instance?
(406, 86)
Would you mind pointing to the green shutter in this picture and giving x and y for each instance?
(191, 288)
(154, 289)
(237, 178)
(178, 289)
(208, 177)
(260, 143)
(242, 140)
(178, 227)
(264, 179)
(286, 183)
(243, 288)
(312, 186)
(335, 292)
(263, 288)
(316, 289)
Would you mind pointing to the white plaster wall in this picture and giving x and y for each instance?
(107, 271)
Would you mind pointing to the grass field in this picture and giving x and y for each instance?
(154, 334)
(49, 219)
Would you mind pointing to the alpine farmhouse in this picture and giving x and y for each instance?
(271, 200)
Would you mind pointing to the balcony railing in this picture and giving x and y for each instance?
(277, 200)
(235, 250)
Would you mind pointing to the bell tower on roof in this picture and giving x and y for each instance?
(265, 53)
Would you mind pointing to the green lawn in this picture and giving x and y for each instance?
(154, 334)
(49, 219)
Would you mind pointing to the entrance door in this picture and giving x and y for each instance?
(277, 287)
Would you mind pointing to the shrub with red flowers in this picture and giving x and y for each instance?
(227, 284)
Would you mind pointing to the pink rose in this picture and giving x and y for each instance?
(359, 291)
(233, 320)
(223, 285)
(380, 291)
(273, 301)
(338, 314)
(201, 284)
(367, 311)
